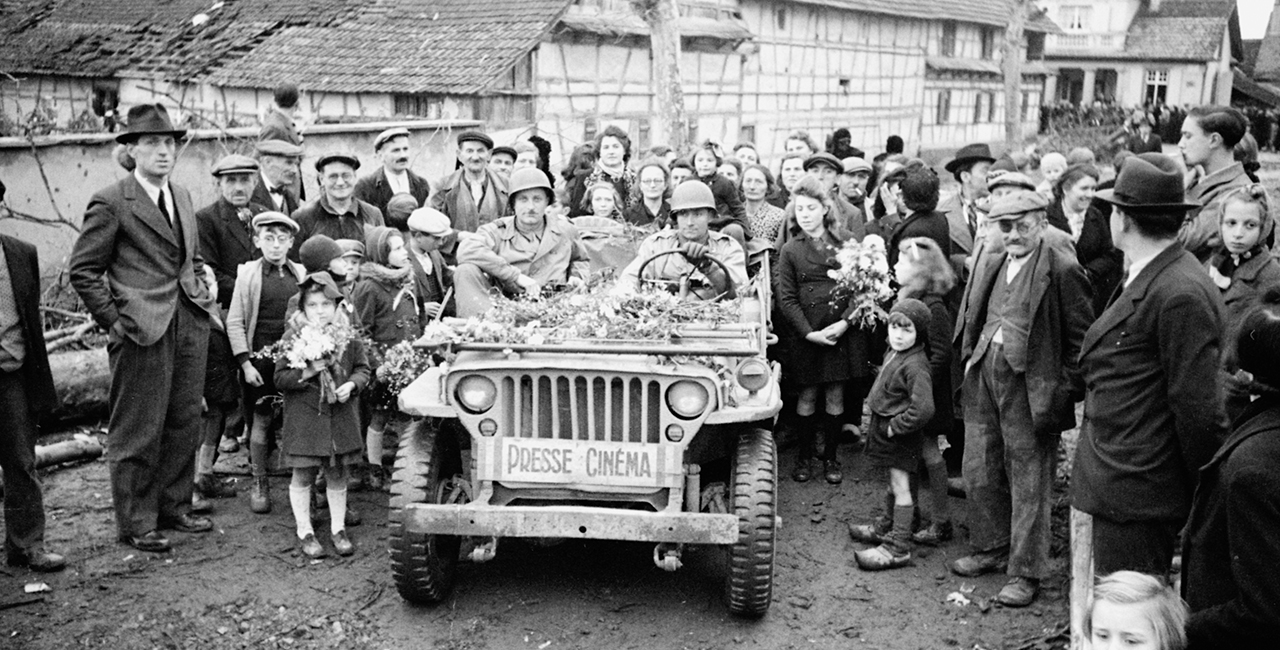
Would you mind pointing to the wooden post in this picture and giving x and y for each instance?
(1011, 67)
(672, 125)
(1081, 573)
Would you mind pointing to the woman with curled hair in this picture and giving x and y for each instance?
(1073, 211)
(825, 349)
(1134, 611)
(649, 201)
(613, 152)
(790, 170)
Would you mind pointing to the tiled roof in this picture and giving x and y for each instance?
(983, 12)
(1250, 55)
(1267, 65)
(955, 64)
(445, 46)
(614, 24)
(1184, 30)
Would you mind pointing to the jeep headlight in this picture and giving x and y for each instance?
(687, 399)
(476, 393)
(753, 375)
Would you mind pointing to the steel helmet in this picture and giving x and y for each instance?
(692, 195)
(526, 179)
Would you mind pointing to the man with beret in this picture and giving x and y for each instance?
(136, 266)
(226, 225)
(473, 195)
(429, 227)
(394, 176)
(1022, 318)
(1209, 137)
(969, 167)
(277, 185)
(337, 214)
(1153, 411)
(521, 253)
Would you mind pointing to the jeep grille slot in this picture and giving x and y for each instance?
(582, 407)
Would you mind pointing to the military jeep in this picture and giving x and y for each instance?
(595, 439)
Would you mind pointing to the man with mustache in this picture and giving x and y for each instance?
(226, 238)
(278, 163)
(394, 177)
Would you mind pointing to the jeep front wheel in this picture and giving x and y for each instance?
(749, 587)
(427, 470)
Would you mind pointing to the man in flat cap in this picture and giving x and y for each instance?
(1021, 322)
(1153, 411)
(137, 267)
(278, 163)
(226, 225)
(969, 167)
(474, 194)
(337, 214)
(394, 176)
(854, 174)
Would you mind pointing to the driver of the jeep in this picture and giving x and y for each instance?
(693, 206)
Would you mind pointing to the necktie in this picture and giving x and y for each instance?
(164, 208)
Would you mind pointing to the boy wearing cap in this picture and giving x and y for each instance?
(1021, 323)
(394, 176)
(257, 320)
(473, 195)
(432, 277)
(337, 214)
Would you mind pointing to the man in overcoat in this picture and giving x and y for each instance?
(394, 176)
(474, 195)
(276, 186)
(137, 267)
(26, 389)
(969, 167)
(226, 233)
(1153, 410)
(1022, 318)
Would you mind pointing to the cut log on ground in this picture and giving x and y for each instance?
(80, 448)
(83, 381)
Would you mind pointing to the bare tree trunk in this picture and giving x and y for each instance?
(672, 125)
(1011, 66)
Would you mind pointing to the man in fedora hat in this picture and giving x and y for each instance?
(394, 176)
(226, 229)
(473, 195)
(137, 267)
(1153, 413)
(337, 214)
(278, 183)
(1021, 321)
(969, 167)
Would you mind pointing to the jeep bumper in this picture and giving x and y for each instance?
(581, 522)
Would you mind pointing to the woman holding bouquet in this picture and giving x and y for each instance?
(826, 349)
(322, 368)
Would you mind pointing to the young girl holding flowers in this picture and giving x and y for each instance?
(825, 349)
(321, 369)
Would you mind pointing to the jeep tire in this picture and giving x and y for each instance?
(424, 567)
(749, 586)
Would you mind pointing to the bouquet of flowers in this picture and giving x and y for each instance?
(863, 280)
(401, 365)
(307, 345)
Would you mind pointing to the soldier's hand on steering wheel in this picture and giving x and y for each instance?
(694, 251)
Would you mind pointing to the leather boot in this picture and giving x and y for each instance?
(260, 494)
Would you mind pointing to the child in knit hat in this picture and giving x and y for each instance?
(901, 403)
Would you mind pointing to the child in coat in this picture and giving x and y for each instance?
(321, 421)
(387, 309)
(1243, 268)
(901, 403)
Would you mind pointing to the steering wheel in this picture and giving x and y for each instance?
(684, 278)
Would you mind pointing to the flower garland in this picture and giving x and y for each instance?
(863, 280)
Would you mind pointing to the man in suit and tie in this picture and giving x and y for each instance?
(226, 233)
(1022, 318)
(137, 267)
(394, 176)
(1153, 410)
(26, 389)
(278, 161)
(969, 167)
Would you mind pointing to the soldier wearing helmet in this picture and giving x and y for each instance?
(692, 207)
(521, 253)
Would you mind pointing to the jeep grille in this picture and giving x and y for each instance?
(581, 406)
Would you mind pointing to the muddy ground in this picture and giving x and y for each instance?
(245, 585)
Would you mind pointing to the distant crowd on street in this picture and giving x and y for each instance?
(1152, 295)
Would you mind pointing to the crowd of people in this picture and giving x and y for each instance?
(1153, 297)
